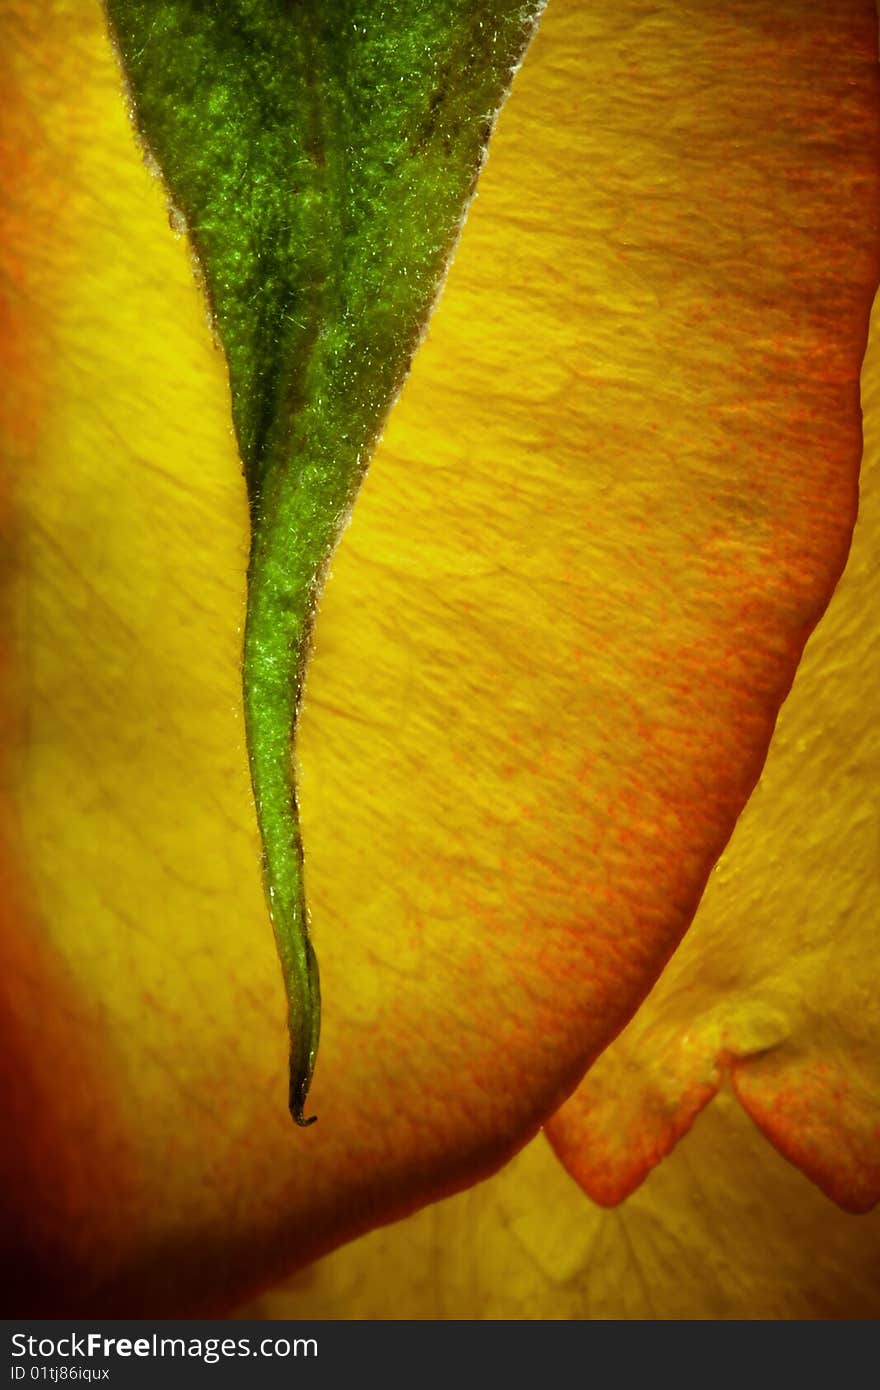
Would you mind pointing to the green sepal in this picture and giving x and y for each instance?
(321, 154)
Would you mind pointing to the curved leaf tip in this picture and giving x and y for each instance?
(322, 158)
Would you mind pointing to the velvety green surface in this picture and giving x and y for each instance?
(322, 155)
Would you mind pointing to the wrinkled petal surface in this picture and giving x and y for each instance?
(777, 983)
(609, 508)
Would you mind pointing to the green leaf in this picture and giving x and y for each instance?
(321, 154)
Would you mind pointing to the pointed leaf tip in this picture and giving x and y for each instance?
(322, 158)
